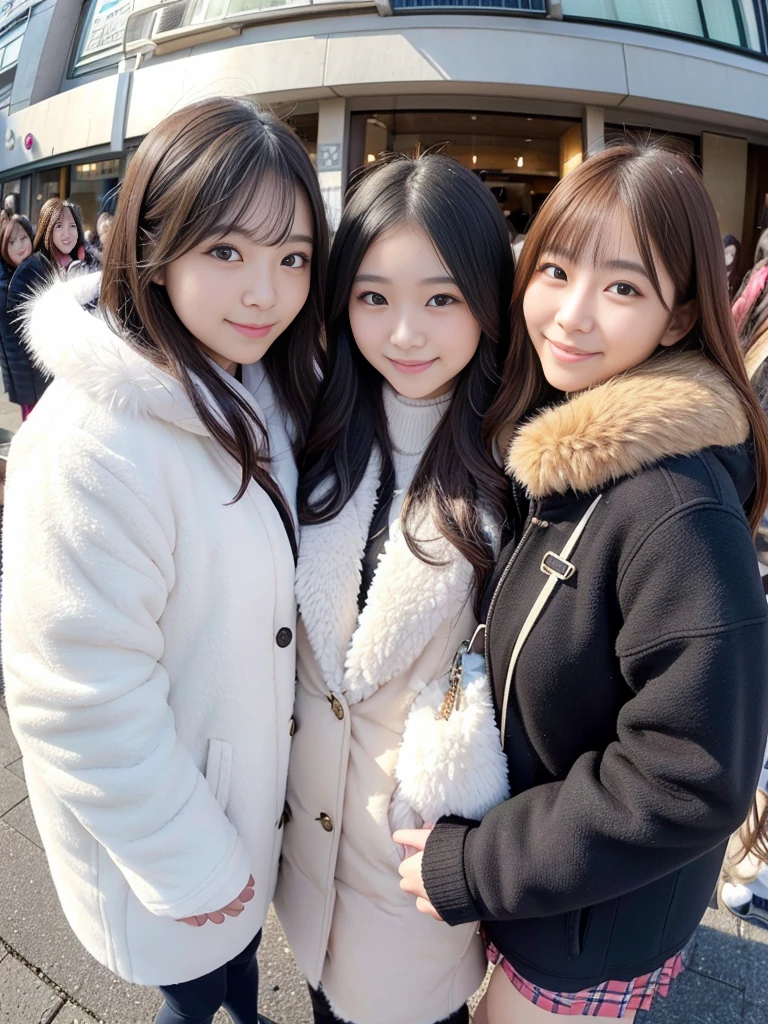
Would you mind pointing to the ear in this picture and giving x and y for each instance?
(159, 277)
(680, 323)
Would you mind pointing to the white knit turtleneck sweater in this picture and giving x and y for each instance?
(411, 422)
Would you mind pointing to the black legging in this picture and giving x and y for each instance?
(235, 986)
(323, 1014)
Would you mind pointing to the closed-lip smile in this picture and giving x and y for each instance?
(411, 366)
(568, 353)
(251, 330)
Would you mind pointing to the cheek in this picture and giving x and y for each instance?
(461, 336)
(366, 329)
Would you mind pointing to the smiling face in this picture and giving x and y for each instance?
(64, 237)
(19, 245)
(408, 317)
(591, 319)
(236, 295)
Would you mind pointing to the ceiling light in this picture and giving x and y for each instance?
(519, 161)
(371, 158)
(474, 159)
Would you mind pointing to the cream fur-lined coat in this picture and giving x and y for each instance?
(145, 684)
(348, 922)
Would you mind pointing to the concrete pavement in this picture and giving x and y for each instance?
(46, 976)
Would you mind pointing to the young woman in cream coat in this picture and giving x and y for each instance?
(148, 605)
(401, 505)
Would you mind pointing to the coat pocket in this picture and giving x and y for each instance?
(576, 925)
(218, 770)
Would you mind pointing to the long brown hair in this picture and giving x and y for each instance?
(194, 176)
(663, 197)
(458, 479)
(47, 221)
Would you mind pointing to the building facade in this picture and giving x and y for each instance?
(518, 90)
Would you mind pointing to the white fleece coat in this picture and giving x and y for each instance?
(149, 681)
(347, 921)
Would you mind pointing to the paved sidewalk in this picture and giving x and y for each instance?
(46, 976)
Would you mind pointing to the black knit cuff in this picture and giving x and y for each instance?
(442, 870)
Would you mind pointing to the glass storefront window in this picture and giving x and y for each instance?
(521, 6)
(46, 185)
(89, 184)
(520, 158)
(717, 20)
(305, 126)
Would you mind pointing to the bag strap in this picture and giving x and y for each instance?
(757, 354)
(553, 578)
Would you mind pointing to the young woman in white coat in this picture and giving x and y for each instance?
(148, 605)
(401, 501)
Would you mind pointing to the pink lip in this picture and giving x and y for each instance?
(252, 330)
(566, 354)
(405, 367)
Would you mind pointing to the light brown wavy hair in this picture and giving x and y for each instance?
(663, 197)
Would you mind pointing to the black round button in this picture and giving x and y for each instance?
(284, 637)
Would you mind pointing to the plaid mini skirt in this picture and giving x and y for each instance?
(609, 999)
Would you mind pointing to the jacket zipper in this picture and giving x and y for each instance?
(533, 522)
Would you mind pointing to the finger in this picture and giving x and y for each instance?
(235, 905)
(246, 895)
(426, 908)
(191, 921)
(250, 884)
(232, 911)
(216, 917)
(415, 837)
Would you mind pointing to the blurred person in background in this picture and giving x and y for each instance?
(732, 248)
(59, 249)
(16, 242)
(744, 881)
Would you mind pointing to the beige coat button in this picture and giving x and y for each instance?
(326, 821)
(336, 707)
(292, 726)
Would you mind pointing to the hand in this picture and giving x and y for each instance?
(410, 869)
(232, 909)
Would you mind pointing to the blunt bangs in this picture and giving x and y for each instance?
(575, 220)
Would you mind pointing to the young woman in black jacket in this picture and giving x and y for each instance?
(59, 247)
(627, 634)
(16, 241)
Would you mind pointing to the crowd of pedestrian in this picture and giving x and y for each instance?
(400, 582)
(30, 257)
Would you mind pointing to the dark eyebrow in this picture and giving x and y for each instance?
(560, 252)
(633, 268)
(254, 236)
(377, 279)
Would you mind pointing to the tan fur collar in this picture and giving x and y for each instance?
(675, 404)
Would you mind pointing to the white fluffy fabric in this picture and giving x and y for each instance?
(454, 765)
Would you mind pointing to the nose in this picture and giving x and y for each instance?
(407, 334)
(575, 314)
(260, 290)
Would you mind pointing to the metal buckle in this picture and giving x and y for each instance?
(553, 565)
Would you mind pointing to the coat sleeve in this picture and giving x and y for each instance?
(681, 773)
(87, 576)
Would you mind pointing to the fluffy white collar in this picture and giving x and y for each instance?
(407, 601)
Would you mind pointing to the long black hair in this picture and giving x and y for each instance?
(458, 480)
(194, 176)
